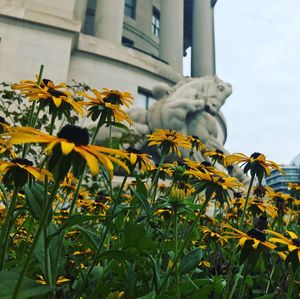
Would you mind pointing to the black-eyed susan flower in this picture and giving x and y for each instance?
(210, 236)
(139, 159)
(19, 171)
(60, 280)
(216, 156)
(70, 145)
(257, 164)
(218, 183)
(57, 97)
(107, 104)
(169, 141)
(116, 295)
(196, 143)
(291, 243)
(254, 236)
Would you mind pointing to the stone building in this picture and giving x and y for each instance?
(129, 45)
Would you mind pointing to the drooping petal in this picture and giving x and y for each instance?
(91, 160)
(66, 147)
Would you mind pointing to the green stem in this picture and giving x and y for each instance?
(85, 279)
(153, 187)
(246, 203)
(291, 283)
(185, 242)
(53, 117)
(96, 132)
(31, 113)
(7, 226)
(163, 242)
(176, 252)
(44, 218)
(238, 276)
(270, 278)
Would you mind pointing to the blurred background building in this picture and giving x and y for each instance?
(129, 45)
(279, 182)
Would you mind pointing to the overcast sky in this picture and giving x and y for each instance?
(258, 52)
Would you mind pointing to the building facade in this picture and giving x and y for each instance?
(279, 182)
(129, 45)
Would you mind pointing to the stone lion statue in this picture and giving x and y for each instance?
(189, 107)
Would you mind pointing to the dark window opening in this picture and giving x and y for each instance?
(127, 42)
(89, 24)
(130, 8)
(144, 98)
(155, 21)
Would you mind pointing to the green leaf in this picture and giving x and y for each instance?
(29, 288)
(71, 221)
(35, 197)
(121, 126)
(190, 261)
(143, 200)
(148, 296)
(133, 233)
(118, 255)
(91, 239)
(269, 296)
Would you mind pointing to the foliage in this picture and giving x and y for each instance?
(186, 229)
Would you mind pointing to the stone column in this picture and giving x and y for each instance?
(171, 33)
(203, 48)
(80, 11)
(109, 18)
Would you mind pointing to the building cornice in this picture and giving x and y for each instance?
(134, 58)
(40, 18)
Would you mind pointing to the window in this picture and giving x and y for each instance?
(144, 98)
(127, 42)
(155, 21)
(88, 27)
(130, 8)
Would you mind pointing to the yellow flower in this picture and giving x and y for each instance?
(115, 295)
(61, 280)
(168, 141)
(143, 161)
(216, 156)
(71, 139)
(196, 143)
(292, 243)
(212, 236)
(256, 163)
(107, 104)
(20, 170)
(57, 97)
(205, 264)
(255, 236)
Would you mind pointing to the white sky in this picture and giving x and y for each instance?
(257, 51)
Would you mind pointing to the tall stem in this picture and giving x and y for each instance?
(185, 242)
(44, 218)
(246, 203)
(7, 226)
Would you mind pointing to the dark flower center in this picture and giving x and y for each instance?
(262, 222)
(296, 242)
(56, 93)
(255, 155)
(75, 134)
(133, 150)
(257, 234)
(206, 164)
(114, 99)
(2, 120)
(46, 81)
(22, 161)
(237, 194)
(219, 152)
